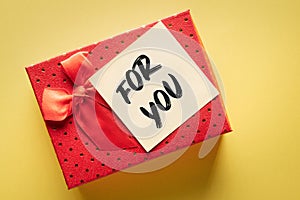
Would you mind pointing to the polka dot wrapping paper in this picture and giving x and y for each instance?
(77, 163)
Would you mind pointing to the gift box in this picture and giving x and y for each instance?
(88, 132)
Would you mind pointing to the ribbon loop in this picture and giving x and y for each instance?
(56, 104)
(73, 64)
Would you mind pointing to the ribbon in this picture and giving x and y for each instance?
(59, 103)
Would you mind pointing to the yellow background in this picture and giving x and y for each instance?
(256, 47)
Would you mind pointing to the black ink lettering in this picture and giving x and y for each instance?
(146, 71)
(178, 89)
(138, 79)
(154, 115)
(124, 92)
(138, 84)
(158, 103)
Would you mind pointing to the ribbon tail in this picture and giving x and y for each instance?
(99, 125)
(56, 104)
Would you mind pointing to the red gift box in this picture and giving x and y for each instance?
(55, 77)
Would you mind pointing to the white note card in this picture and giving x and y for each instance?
(153, 86)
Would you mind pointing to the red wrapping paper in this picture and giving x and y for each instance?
(77, 163)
